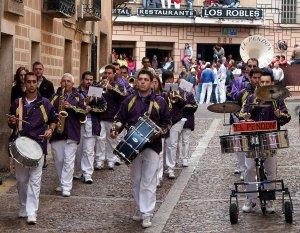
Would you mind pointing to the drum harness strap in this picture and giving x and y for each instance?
(152, 104)
(20, 114)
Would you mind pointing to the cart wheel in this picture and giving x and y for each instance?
(288, 212)
(233, 213)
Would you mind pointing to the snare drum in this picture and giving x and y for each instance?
(274, 140)
(26, 151)
(235, 143)
(135, 139)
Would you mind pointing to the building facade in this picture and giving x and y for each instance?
(142, 30)
(65, 35)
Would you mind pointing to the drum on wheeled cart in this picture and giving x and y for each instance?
(259, 140)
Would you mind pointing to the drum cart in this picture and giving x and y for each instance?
(257, 139)
(257, 145)
(264, 194)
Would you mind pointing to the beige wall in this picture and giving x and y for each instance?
(193, 34)
(48, 36)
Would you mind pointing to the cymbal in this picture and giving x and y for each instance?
(272, 92)
(226, 107)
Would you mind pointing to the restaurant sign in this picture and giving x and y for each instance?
(122, 11)
(166, 12)
(235, 13)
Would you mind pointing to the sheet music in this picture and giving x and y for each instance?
(95, 91)
(185, 85)
(171, 87)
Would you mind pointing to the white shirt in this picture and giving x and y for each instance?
(278, 74)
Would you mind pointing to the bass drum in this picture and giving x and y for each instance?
(26, 151)
(235, 143)
(274, 140)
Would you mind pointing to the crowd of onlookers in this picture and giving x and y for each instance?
(211, 79)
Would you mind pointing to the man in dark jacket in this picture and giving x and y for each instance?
(46, 88)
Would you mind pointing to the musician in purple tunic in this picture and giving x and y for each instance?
(40, 118)
(115, 93)
(67, 136)
(251, 110)
(144, 167)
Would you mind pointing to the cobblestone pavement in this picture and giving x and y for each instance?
(199, 206)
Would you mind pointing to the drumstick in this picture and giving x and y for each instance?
(26, 122)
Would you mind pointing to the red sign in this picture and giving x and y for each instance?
(252, 126)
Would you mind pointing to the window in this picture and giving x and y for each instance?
(288, 15)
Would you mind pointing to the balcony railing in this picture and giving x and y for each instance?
(90, 12)
(59, 8)
(15, 7)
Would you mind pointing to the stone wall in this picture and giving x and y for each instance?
(38, 36)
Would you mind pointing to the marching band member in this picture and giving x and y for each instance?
(144, 167)
(157, 89)
(40, 113)
(92, 127)
(177, 102)
(70, 105)
(184, 138)
(276, 111)
(115, 93)
(241, 88)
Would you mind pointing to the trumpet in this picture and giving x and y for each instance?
(131, 81)
(105, 84)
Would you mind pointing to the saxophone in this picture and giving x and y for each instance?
(62, 114)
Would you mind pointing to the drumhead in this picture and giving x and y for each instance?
(28, 148)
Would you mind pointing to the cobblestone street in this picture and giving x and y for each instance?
(196, 201)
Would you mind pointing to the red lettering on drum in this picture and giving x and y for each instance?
(255, 126)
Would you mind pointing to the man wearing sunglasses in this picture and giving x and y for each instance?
(242, 87)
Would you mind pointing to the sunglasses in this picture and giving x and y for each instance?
(252, 66)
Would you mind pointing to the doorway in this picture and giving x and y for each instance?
(161, 50)
(205, 51)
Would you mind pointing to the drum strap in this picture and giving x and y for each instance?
(53, 99)
(150, 108)
(20, 114)
(43, 110)
(131, 103)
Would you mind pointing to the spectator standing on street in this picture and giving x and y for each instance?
(18, 90)
(219, 52)
(188, 55)
(146, 66)
(131, 65)
(221, 84)
(278, 73)
(183, 74)
(154, 62)
(296, 54)
(207, 80)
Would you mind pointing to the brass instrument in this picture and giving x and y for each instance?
(81, 112)
(104, 83)
(88, 101)
(174, 96)
(62, 114)
(131, 81)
